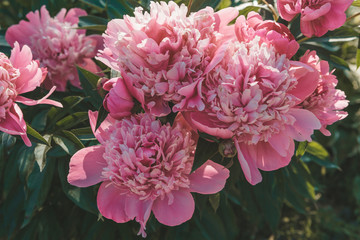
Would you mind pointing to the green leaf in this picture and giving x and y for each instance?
(84, 133)
(245, 10)
(71, 120)
(211, 225)
(269, 203)
(99, 5)
(356, 3)
(214, 200)
(204, 150)
(316, 149)
(85, 198)
(69, 104)
(68, 146)
(38, 186)
(88, 82)
(93, 23)
(35, 135)
(300, 151)
(356, 189)
(339, 61)
(40, 152)
(101, 116)
(358, 54)
(72, 137)
(200, 4)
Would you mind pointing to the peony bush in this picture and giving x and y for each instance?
(189, 120)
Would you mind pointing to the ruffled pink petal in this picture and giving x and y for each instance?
(308, 78)
(86, 166)
(210, 178)
(269, 159)
(312, 14)
(20, 58)
(111, 201)
(73, 15)
(140, 210)
(193, 97)
(180, 211)
(304, 126)
(118, 101)
(247, 159)
(100, 133)
(204, 123)
(43, 100)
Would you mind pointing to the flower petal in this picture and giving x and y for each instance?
(86, 166)
(247, 161)
(210, 178)
(180, 211)
(111, 202)
(140, 210)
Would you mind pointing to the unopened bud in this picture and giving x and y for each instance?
(227, 148)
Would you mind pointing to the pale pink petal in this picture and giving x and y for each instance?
(209, 178)
(305, 124)
(100, 133)
(180, 211)
(111, 201)
(269, 159)
(43, 100)
(86, 166)
(307, 78)
(202, 122)
(248, 163)
(140, 210)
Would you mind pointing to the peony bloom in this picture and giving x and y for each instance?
(19, 74)
(252, 97)
(162, 54)
(326, 101)
(317, 16)
(118, 102)
(270, 32)
(145, 167)
(57, 44)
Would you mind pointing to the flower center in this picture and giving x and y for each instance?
(248, 92)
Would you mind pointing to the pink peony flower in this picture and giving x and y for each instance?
(252, 97)
(118, 102)
(19, 74)
(326, 101)
(57, 44)
(317, 16)
(145, 167)
(162, 54)
(270, 32)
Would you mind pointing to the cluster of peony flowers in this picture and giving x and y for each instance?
(57, 44)
(317, 17)
(19, 74)
(233, 82)
(236, 82)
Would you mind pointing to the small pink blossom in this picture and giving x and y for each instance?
(19, 74)
(118, 102)
(162, 54)
(326, 101)
(145, 167)
(252, 97)
(57, 44)
(271, 32)
(317, 16)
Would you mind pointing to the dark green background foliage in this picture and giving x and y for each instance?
(316, 197)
